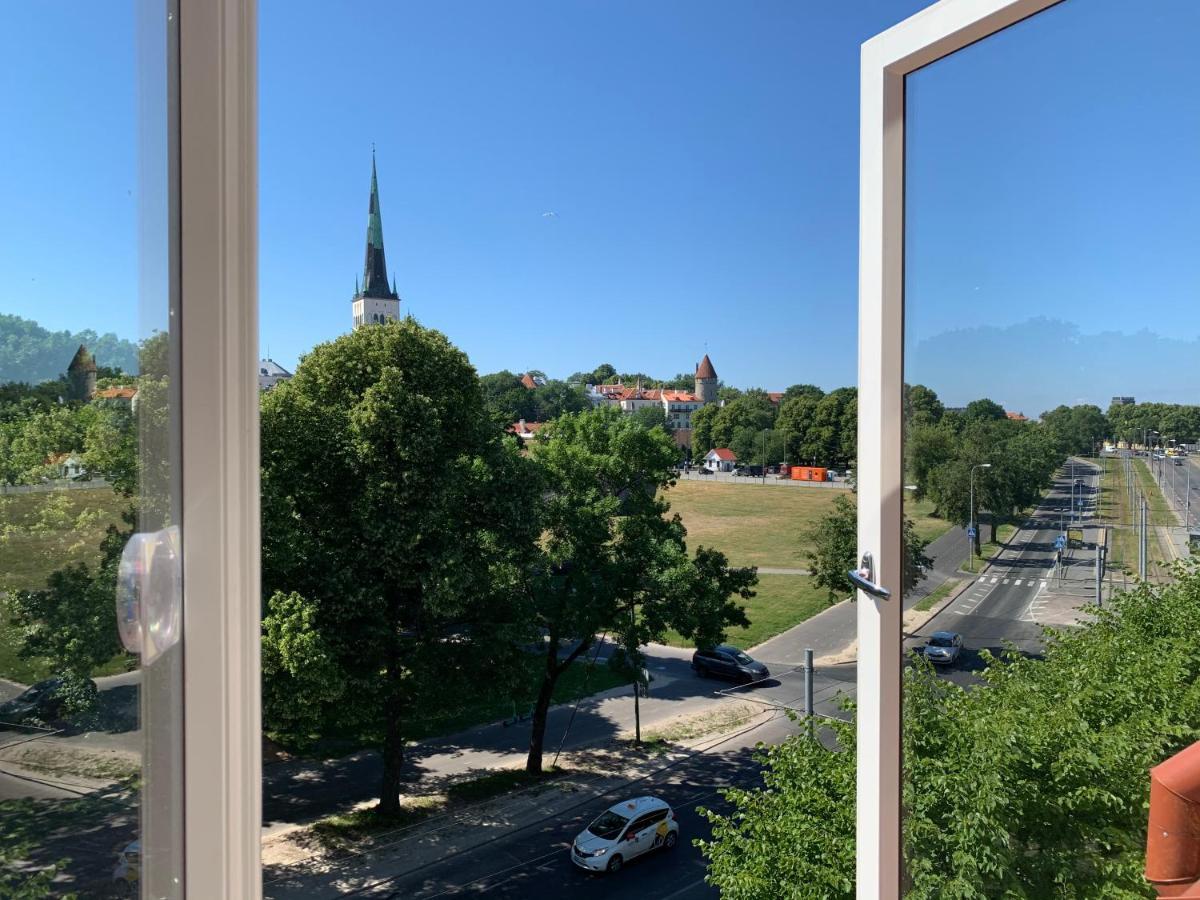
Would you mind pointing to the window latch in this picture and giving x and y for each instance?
(863, 578)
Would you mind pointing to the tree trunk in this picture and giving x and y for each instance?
(393, 761)
(393, 736)
(537, 731)
(541, 707)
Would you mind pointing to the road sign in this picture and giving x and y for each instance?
(1075, 535)
(1060, 542)
(971, 534)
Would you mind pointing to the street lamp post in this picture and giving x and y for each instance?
(972, 534)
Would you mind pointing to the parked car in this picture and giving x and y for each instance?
(943, 647)
(751, 471)
(724, 661)
(1178, 461)
(41, 701)
(623, 831)
(128, 870)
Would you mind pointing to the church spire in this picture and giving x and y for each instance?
(375, 281)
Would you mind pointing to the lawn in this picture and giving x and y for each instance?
(1160, 510)
(760, 525)
(942, 591)
(781, 601)
(42, 532)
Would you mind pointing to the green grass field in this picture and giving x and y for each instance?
(42, 532)
(1160, 510)
(942, 591)
(781, 602)
(761, 525)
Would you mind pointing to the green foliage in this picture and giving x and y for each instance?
(820, 429)
(1076, 429)
(1130, 422)
(833, 545)
(509, 401)
(1034, 784)
(31, 354)
(393, 506)
(609, 558)
(71, 623)
(299, 674)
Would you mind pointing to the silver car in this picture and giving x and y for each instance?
(943, 647)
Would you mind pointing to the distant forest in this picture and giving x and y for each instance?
(30, 353)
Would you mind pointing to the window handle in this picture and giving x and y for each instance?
(863, 578)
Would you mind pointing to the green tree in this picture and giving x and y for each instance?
(922, 406)
(702, 421)
(609, 558)
(983, 410)
(650, 417)
(833, 543)
(395, 509)
(507, 399)
(1033, 784)
(555, 398)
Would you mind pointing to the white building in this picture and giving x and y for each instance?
(720, 459)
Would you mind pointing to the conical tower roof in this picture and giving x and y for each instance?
(375, 280)
(705, 369)
(82, 361)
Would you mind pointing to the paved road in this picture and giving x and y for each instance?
(1177, 481)
(534, 862)
(1009, 602)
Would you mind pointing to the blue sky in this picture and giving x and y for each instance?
(701, 161)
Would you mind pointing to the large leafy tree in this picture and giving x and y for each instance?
(1033, 784)
(395, 519)
(832, 543)
(610, 558)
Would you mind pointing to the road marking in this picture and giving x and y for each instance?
(958, 612)
(1018, 581)
(993, 579)
(1006, 581)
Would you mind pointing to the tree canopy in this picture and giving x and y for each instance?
(1033, 784)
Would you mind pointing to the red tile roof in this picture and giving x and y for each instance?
(1016, 416)
(724, 454)
(528, 381)
(123, 393)
(705, 369)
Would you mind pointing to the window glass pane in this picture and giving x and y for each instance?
(90, 699)
(1052, 384)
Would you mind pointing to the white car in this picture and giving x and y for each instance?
(623, 831)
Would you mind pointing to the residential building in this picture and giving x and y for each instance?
(525, 430)
(1123, 401)
(532, 382)
(374, 302)
(121, 396)
(270, 373)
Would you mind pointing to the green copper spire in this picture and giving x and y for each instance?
(375, 281)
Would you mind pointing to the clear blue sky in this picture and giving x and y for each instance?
(701, 159)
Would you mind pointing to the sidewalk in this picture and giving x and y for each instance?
(297, 865)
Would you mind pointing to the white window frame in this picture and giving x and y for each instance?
(218, 252)
(887, 58)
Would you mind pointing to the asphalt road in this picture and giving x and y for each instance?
(534, 862)
(1003, 605)
(1177, 482)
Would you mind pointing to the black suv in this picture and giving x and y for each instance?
(724, 661)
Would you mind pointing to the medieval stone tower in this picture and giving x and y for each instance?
(706, 381)
(81, 375)
(374, 303)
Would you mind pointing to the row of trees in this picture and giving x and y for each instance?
(411, 552)
(1031, 785)
(1131, 422)
(508, 400)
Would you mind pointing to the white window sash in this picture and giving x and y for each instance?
(926, 37)
(218, 198)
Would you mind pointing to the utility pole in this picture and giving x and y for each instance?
(808, 689)
(972, 532)
(1100, 552)
(1142, 544)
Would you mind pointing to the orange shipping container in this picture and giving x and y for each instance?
(808, 473)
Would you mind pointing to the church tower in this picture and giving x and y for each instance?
(706, 381)
(374, 302)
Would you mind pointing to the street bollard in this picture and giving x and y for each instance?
(808, 688)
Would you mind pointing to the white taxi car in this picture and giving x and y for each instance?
(623, 831)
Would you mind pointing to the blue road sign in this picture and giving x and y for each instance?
(971, 533)
(1060, 542)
